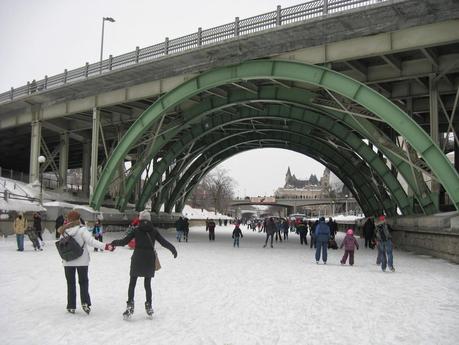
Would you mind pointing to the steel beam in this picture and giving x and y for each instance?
(95, 150)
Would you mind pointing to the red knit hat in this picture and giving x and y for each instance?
(382, 218)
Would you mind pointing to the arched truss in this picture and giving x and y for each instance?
(242, 123)
(272, 70)
(371, 199)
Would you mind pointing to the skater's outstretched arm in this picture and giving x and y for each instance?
(123, 241)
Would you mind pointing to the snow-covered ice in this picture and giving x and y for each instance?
(216, 294)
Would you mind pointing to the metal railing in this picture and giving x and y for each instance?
(240, 27)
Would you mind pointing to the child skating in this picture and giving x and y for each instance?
(349, 243)
(236, 234)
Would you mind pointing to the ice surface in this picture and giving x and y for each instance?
(216, 294)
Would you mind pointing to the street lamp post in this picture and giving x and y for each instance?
(346, 196)
(41, 160)
(110, 19)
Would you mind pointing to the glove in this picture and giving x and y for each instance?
(110, 247)
(175, 254)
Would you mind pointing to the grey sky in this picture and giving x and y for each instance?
(43, 37)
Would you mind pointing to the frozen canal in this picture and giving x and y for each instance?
(216, 294)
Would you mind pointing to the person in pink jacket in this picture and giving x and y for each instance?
(349, 243)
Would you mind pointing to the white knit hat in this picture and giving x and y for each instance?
(144, 215)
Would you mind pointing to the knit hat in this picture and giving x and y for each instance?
(322, 219)
(382, 218)
(144, 215)
(73, 216)
(350, 232)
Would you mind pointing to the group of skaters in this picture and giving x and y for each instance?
(376, 232)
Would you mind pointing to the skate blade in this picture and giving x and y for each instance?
(127, 317)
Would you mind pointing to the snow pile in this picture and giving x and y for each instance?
(193, 213)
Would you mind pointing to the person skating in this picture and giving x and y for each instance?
(270, 230)
(322, 236)
(20, 226)
(349, 243)
(84, 238)
(37, 226)
(143, 259)
(384, 240)
(180, 228)
(302, 230)
(97, 232)
(186, 228)
(58, 224)
(236, 234)
(211, 228)
(368, 231)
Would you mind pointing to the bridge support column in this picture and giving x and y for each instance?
(434, 128)
(63, 160)
(35, 142)
(94, 149)
(86, 168)
(456, 153)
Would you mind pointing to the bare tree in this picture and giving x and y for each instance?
(215, 190)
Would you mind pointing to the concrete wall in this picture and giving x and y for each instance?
(436, 235)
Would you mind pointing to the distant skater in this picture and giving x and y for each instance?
(270, 230)
(236, 234)
(349, 243)
(211, 228)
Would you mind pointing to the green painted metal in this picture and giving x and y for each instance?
(300, 117)
(267, 94)
(287, 138)
(324, 153)
(294, 71)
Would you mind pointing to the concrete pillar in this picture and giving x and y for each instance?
(456, 153)
(86, 168)
(94, 149)
(64, 160)
(434, 128)
(35, 142)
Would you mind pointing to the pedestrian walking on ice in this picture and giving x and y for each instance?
(349, 243)
(322, 236)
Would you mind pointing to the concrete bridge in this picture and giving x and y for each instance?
(368, 88)
(293, 203)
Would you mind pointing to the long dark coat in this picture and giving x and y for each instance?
(143, 258)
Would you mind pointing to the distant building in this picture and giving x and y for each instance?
(311, 188)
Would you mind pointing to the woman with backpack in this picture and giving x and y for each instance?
(143, 259)
(84, 238)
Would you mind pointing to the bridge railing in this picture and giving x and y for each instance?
(279, 17)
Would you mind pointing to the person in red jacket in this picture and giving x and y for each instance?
(349, 243)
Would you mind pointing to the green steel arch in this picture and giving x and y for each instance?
(293, 71)
(299, 143)
(297, 98)
(298, 125)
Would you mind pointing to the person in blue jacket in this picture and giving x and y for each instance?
(322, 236)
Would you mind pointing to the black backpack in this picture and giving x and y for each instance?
(68, 248)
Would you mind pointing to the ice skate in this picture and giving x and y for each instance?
(86, 308)
(129, 310)
(71, 311)
(149, 309)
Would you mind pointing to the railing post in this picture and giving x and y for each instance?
(137, 53)
(199, 37)
(110, 61)
(28, 88)
(236, 26)
(325, 10)
(166, 46)
(45, 86)
(86, 69)
(278, 16)
(12, 93)
(65, 76)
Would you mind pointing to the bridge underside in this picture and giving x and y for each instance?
(381, 154)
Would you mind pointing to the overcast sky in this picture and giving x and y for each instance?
(43, 37)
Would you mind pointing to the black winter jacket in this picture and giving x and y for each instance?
(143, 258)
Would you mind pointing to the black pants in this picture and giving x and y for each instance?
(211, 235)
(367, 241)
(83, 281)
(286, 235)
(133, 282)
(303, 238)
(39, 235)
(267, 238)
(313, 241)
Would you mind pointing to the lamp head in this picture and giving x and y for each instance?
(110, 19)
(41, 159)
